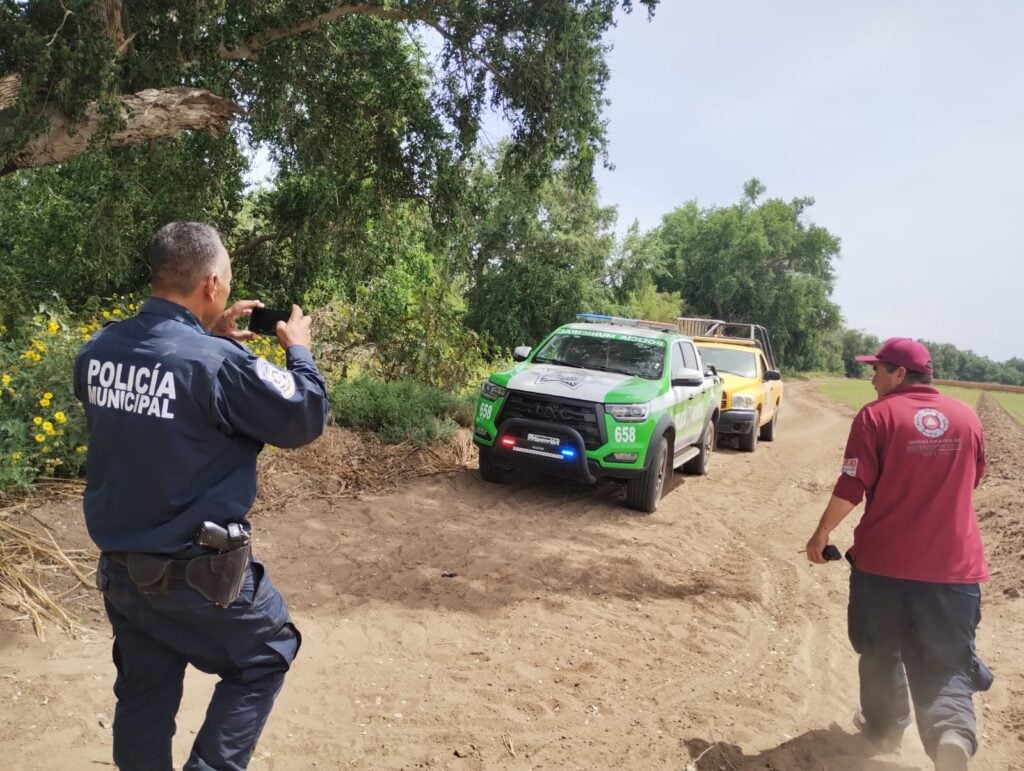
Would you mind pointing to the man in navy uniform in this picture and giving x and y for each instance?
(177, 410)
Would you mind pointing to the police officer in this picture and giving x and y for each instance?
(917, 557)
(177, 411)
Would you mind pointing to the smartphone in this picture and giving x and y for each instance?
(263, 321)
(831, 553)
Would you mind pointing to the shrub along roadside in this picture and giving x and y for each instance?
(400, 410)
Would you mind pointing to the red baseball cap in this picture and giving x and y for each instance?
(903, 352)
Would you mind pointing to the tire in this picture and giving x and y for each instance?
(768, 429)
(699, 464)
(644, 492)
(489, 471)
(748, 442)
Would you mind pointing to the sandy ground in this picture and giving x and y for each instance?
(452, 623)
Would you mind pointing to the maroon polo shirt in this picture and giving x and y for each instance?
(917, 455)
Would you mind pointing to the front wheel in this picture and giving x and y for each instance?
(489, 470)
(748, 442)
(644, 492)
(699, 463)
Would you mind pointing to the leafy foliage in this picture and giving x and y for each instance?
(536, 256)
(756, 262)
(399, 410)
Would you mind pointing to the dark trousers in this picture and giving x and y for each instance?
(250, 644)
(922, 635)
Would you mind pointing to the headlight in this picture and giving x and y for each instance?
(492, 390)
(629, 413)
(743, 401)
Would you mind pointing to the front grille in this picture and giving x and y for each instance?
(585, 417)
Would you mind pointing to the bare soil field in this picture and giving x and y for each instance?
(453, 624)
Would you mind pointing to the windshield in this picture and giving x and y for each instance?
(636, 357)
(737, 362)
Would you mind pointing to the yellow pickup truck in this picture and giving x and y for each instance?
(752, 392)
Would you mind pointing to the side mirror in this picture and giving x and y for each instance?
(687, 378)
(710, 370)
(521, 353)
(772, 374)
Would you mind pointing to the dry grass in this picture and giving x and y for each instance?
(344, 463)
(37, 575)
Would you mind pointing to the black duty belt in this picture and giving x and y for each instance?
(176, 569)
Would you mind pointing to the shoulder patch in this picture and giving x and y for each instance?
(282, 380)
(850, 466)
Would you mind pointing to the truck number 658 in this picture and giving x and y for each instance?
(625, 433)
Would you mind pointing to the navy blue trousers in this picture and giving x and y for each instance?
(250, 645)
(919, 637)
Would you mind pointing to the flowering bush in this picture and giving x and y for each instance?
(42, 425)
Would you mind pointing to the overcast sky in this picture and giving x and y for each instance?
(904, 121)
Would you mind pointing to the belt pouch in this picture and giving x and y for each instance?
(149, 572)
(219, 577)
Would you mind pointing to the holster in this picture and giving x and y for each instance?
(219, 577)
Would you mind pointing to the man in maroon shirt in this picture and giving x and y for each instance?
(917, 556)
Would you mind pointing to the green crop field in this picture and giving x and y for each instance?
(856, 393)
(1012, 403)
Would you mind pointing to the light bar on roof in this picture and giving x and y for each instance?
(601, 318)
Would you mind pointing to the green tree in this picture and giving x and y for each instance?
(856, 343)
(760, 262)
(537, 256)
(368, 110)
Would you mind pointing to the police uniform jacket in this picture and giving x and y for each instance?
(176, 418)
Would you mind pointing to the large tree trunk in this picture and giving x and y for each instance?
(149, 114)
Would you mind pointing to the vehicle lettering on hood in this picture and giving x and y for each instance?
(569, 379)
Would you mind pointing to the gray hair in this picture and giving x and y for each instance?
(182, 254)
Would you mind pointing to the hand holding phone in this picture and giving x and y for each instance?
(831, 553)
(263, 321)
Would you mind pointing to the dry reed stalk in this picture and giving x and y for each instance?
(24, 556)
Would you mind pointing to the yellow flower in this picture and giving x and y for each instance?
(117, 311)
(40, 345)
(37, 420)
(48, 427)
(44, 402)
(40, 438)
(5, 380)
(47, 396)
(80, 449)
(52, 327)
(60, 417)
(131, 306)
(106, 314)
(15, 456)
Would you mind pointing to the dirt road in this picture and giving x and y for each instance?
(457, 624)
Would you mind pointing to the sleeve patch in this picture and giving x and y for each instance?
(850, 467)
(282, 380)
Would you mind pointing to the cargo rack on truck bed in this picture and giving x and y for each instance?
(728, 331)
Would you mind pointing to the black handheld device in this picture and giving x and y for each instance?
(831, 553)
(263, 321)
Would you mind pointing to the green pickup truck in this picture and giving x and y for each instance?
(608, 397)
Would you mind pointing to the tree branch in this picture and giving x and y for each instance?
(250, 49)
(258, 241)
(10, 85)
(149, 114)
